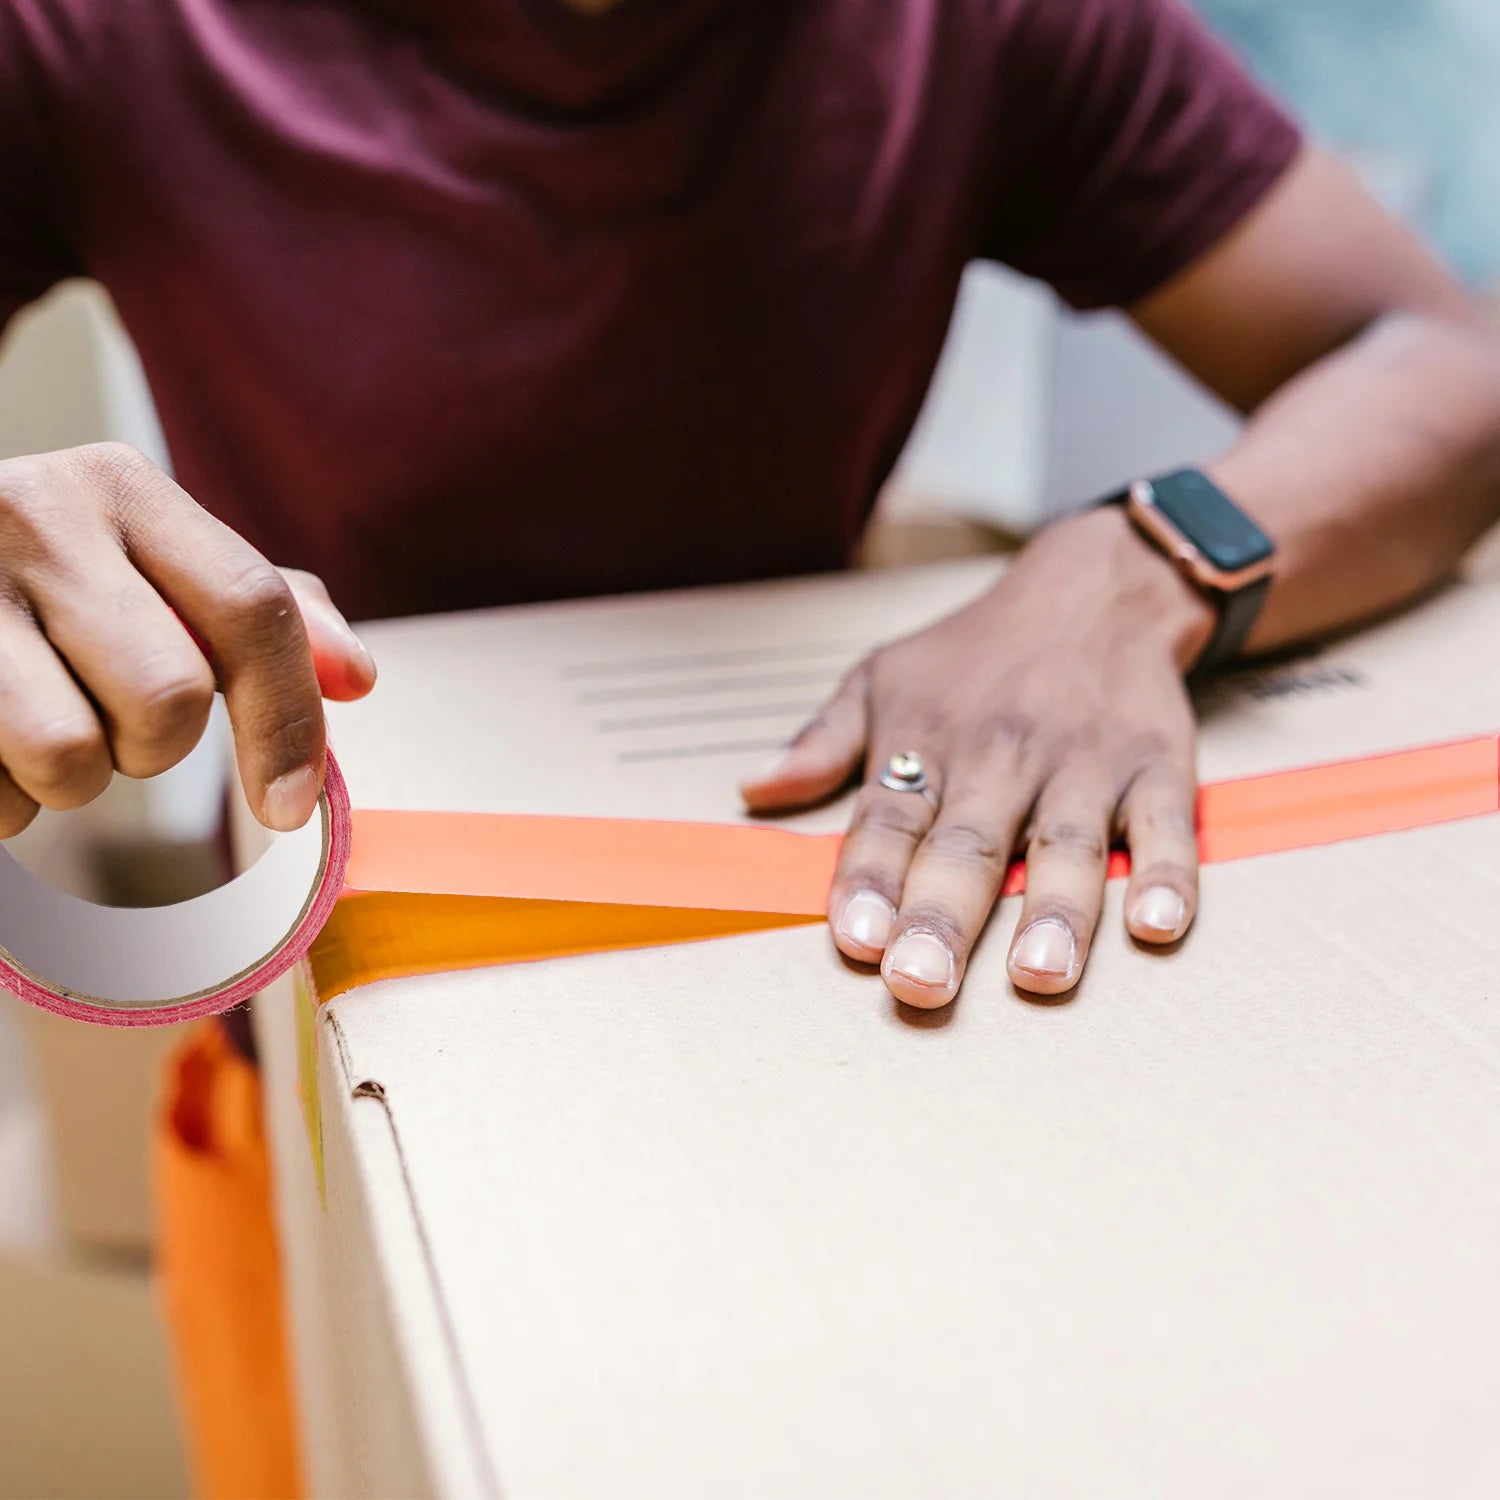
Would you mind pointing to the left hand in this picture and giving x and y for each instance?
(1051, 718)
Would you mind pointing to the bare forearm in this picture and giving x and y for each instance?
(1373, 471)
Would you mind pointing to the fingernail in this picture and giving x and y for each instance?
(367, 662)
(1160, 911)
(867, 920)
(290, 800)
(923, 959)
(1046, 947)
(769, 769)
(338, 623)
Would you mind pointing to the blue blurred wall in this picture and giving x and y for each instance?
(1406, 76)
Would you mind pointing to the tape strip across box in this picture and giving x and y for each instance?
(413, 883)
(720, 1218)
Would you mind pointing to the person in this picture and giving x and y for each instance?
(470, 302)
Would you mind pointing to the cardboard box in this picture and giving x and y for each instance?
(723, 1220)
(911, 527)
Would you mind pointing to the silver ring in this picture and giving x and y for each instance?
(905, 772)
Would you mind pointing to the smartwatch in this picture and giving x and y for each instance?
(1215, 545)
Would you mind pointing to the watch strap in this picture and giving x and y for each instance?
(1238, 612)
(1238, 609)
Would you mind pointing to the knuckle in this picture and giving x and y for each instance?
(167, 716)
(22, 481)
(934, 724)
(68, 761)
(16, 815)
(112, 462)
(29, 514)
(290, 743)
(1070, 840)
(1152, 758)
(1077, 746)
(938, 922)
(117, 471)
(1145, 746)
(1006, 733)
(125, 478)
(885, 815)
(1171, 820)
(258, 602)
(175, 701)
(966, 844)
(905, 725)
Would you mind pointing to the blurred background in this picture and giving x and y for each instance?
(1411, 80)
(1032, 409)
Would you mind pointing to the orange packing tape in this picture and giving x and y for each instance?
(379, 935)
(740, 867)
(438, 891)
(535, 887)
(630, 862)
(1349, 800)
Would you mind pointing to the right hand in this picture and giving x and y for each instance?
(103, 561)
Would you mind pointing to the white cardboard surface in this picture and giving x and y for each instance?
(721, 1220)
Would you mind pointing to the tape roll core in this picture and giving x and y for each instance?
(132, 966)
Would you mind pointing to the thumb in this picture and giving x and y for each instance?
(821, 759)
(345, 669)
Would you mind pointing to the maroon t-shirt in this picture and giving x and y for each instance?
(481, 301)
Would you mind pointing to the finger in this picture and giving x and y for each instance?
(885, 831)
(1066, 859)
(345, 669)
(16, 808)
(1159, 814)
(52, 745)
(952, 885)
(245, 613)
(153, 689)
(820, 761)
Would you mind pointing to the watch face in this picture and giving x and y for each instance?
(1220, 530)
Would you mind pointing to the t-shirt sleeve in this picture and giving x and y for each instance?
(1142, 141)
(34, 253)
